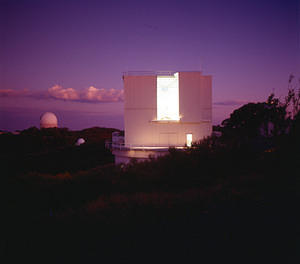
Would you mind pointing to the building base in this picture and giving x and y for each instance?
(126, 155)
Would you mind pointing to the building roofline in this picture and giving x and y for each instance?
(152, 73)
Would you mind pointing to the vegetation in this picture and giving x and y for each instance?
(53, 150)
(229, 197)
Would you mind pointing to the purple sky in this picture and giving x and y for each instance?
(250, 48)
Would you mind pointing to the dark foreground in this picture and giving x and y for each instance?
(218, 202)
(244, 233)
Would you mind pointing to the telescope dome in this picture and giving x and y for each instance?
(48, 120)
(80, 141)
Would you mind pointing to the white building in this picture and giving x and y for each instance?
(162, 110)
(48, 120)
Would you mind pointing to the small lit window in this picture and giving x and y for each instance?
(189, 139)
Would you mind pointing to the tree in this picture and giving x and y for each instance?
(269, 119)
(257, 120)
(292, 100)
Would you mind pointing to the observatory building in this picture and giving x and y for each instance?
(48, 120)
(162, 110)
(80, 141)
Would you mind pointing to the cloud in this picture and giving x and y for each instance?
(103, 95)
(90, 94)
(58, 92)
(230, 103)
(13, 93)
(23, 93)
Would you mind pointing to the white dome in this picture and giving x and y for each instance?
(80, 141)
(47, 120)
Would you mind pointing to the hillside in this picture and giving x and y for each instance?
(230, 198)
(185, 206)
(54, 150)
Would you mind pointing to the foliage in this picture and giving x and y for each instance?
(221, 185)
(53, 150)
(73, 177)
(264, 123)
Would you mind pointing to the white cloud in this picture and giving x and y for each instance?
(58, 92)
(230, 102)
(103, 95)
(90, 94)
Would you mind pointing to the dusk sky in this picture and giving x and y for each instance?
(68, 57)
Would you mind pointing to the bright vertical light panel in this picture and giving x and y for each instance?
(189, 139)
(168, 97)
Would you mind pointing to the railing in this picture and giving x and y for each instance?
(148, 73)
(122, 146)
(112, 145)
(153, 73)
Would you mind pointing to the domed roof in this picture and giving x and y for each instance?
(80, 141)
(48, 119)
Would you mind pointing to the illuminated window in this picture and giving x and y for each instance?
(189, 139)
(168, 97)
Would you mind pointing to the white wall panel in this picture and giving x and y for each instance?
(195, 106)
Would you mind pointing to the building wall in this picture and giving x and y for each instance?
(140, 109)
(194, 97)
(195, 107)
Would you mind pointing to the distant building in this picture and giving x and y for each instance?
(80, 141)
(48, 120)
(162, 110)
